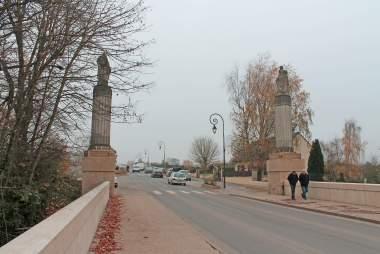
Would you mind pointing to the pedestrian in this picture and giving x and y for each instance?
(293, 179)
(304, 181)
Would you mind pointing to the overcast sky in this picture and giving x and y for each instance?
(334, 46)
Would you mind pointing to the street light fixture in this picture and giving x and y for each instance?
(214, 129)
(214, 121)
(162, 146)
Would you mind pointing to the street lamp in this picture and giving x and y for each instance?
(214, 121)
(162, 146)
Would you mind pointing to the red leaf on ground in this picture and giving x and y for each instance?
(109, 226)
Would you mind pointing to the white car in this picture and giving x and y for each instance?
(187, 173)
(116, 182)
(136, 169)
(177, 178)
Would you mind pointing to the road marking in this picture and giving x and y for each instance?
(170, 192)
(198, 192)
(209, 192)
(157, 192)
(186, 192)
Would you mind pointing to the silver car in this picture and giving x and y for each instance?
(177, 178)
(187, 174)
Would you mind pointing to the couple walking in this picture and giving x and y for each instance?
(303, 178)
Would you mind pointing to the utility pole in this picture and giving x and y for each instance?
(162, 146)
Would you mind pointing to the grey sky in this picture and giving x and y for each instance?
(334, 46)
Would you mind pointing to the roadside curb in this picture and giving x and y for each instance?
(210, 187)
(308, 209)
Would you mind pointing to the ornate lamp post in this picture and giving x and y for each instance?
(214, 121)
(162, 146)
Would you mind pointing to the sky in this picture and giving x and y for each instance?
(333, 45)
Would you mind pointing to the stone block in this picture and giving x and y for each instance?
(279, 166)
(98, 166)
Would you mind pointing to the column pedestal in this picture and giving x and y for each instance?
(279, 167)
(98, 166)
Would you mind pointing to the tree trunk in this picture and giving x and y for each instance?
(259, 174)
(215, 173)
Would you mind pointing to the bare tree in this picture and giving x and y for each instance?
(252, 96)
(204, 151)
(48, 52)
(333, 151)
(353, 146)
(343, 155)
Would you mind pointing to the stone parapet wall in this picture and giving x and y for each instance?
(248, 182)
(70, 230)
(351, 193)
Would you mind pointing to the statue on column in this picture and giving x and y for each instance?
(99, 160)
(284, 159)
(101, 106)
(282, 81)
(104, 70)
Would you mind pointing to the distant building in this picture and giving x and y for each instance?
(187, 164)
(302, 146)
(173, 161)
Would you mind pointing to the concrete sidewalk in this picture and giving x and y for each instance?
(255, 191)
(149, 227)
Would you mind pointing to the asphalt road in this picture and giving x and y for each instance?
(238, 225)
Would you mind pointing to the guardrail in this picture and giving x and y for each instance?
(70, 230)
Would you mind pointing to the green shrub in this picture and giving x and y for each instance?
(316, 165)
(24, 206)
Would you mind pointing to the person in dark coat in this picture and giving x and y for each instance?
(304, 181)
(293, 179)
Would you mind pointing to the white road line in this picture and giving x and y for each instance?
(186, 192)
(170, 192)
(198, 192)
(157, 192)
(209, 192)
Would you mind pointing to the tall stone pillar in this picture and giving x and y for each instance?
(283, 123)
(99, 161)
(284, 160)
(101, 117)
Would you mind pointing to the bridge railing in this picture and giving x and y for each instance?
(69, 230)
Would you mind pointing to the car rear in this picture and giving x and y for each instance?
(187, 174)
(157, 174)
(178, 178)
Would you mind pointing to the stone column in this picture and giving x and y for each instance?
(101, 117)
(283, 160)
(283, 128)
(99, 161)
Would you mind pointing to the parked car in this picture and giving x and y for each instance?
(148, 170)
(157, 173)
(177, 178)
(116, 182)
(187, 173)
(136, 169)
(175, 169)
